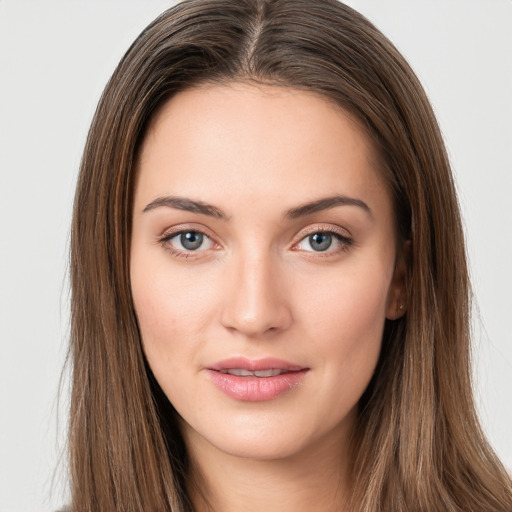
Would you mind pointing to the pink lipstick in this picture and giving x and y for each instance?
(255, 380)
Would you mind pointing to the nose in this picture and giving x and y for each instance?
(255, 300)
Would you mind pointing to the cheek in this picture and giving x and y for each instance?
(348, 302)
(173, 311)
(168, 324)
(345, 321)
(170, 308)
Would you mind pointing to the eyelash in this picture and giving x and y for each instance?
(164, 241)
(345, 242)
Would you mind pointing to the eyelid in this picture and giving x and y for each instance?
(343, 235)
(322, 228)
(169, 233)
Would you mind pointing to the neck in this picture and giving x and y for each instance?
(314, 479)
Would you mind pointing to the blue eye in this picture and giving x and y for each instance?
(324, 241)
(188, 241)
(320, 241)
(191, 240)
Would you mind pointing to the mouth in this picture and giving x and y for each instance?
(255, 380)
(242, 366)
(242, 372)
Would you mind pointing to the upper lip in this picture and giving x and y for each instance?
(266, 363)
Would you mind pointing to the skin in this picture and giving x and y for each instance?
(257, 287)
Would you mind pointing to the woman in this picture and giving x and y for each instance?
(270, 298)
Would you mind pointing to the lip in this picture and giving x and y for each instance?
(266, 363)
(255, 389)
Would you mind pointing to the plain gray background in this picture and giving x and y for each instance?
(55, 58)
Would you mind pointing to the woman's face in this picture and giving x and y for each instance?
(263, 241)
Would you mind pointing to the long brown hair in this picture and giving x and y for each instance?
(419, 446)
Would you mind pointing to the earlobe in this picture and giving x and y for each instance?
(396, 306)
(397, 295)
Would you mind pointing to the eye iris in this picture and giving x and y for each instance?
(320, 241)
(191, 240)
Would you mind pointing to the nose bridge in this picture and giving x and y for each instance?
(255, 303)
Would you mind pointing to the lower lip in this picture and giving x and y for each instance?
(256, 389)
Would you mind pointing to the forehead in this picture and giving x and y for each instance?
(255, 142)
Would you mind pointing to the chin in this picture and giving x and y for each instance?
(257, 447)
(263, 437)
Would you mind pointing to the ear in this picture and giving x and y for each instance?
(396, 304)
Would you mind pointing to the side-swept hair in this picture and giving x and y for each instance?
(418, 444)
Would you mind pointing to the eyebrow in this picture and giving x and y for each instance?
(326, 203)
(183, 203)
